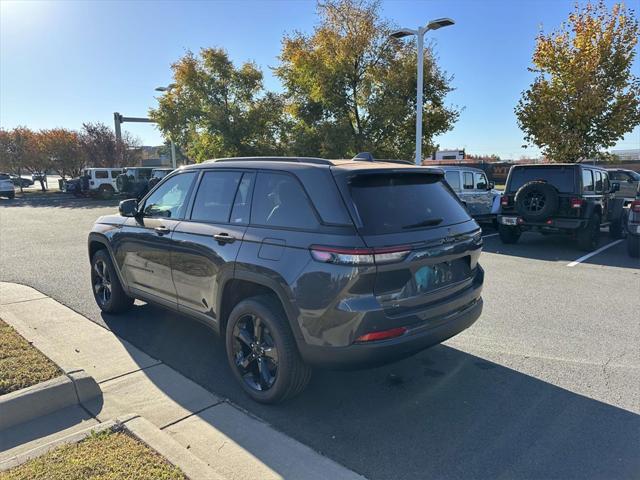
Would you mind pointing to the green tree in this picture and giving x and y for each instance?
(350, 88)
(215, 109)
(584, 97)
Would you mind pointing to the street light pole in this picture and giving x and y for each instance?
(419, 33)
(173, 145)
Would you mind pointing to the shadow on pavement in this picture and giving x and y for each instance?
(440, 414)
(561, 248)
(57, 200)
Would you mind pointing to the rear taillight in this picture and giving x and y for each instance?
(577, 202)
(383, 335)
(504, 201)
(359, 256)
(635, 206)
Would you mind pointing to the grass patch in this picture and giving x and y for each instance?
(103, 456)
(21, 364)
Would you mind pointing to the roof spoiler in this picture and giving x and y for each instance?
(368, 157)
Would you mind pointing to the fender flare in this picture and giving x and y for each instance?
(99, 238)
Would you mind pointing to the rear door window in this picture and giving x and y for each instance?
(468, 181)
(390, 203)
(562, 178)
(101, 174)
(280, 201)
(453, 179)
(587, 181)
(215, 196)
(598, 181)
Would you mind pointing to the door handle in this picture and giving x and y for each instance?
(224, 238)
(162, 230)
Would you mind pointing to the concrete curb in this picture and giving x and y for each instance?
(170, 449)
(72, 388)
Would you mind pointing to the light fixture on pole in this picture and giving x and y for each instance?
(419, 33)
(173, 145)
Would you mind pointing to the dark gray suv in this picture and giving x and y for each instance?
(297, 262)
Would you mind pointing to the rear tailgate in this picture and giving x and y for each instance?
(412, 210)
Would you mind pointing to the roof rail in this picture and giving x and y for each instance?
(319, 161)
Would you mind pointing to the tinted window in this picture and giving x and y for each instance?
(468, 181)
(598, 181)
(559, 177)
(453, 179)
(115, 173)
(280, 201)
(102, 174)
(242, 204)
(4, 176)
(481, 181)
(618, 176)
(605, 182)
(400, 202)
(169, 199)
(587, 181)
(215, 196)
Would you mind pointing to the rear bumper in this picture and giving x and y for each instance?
(556, 224)
(417, 338)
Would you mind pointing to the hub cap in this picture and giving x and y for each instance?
(255, 353)
(534, 202)
(101, 282)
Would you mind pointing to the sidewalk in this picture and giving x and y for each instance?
(234, 444)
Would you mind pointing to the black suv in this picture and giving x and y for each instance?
(297, 262)
(560, 198)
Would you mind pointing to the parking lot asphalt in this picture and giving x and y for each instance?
(545, 385)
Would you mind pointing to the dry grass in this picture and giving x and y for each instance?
(103, 456)
(21, 364)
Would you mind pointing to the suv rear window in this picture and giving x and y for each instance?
(388, 203)
(560, 177)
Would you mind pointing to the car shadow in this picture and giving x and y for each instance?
(440, 414)
(560, 248)
(58, 200)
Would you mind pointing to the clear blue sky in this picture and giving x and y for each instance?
(66, 62)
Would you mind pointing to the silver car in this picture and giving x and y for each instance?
(474, 191)
(628, 180)
(6, 186)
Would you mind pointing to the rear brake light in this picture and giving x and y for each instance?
(383, 335)
(504, 201)
(577, 202)
(359, 256)
(635, 206)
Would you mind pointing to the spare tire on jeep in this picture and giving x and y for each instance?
(536, 200)
(122, 182)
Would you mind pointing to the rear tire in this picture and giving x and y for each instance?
(509, 235)
(288, 375)
(618, 229)
(105, 192)
(589, 236)
(106, 286)
(633, 246)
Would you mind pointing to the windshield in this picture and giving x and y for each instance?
(560, 177)
(401, 202)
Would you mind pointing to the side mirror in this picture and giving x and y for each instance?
(491, 186)
(615, 187)
(129, 207)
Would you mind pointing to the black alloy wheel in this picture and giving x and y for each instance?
(255, 353)
(101, 281)
(534, 202)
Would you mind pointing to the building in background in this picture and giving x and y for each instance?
(447, 155)
(629, 155)
(155, 157)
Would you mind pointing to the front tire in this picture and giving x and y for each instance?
(589, 236)
(106, 286)
(262, 352)
(509, 234)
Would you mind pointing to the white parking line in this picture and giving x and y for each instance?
(595, 252)
(490, 235)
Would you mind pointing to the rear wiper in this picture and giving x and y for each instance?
(430, 222)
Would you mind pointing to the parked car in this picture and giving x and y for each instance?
(19, 181)
(158, 174)
(134, 181)
(99, 182)
(474, 191)
(38, 176)
(560, 198)
(633, 226)
(628, 180)
(6, 186)
(297, 262)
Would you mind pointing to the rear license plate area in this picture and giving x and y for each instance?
(433, 277)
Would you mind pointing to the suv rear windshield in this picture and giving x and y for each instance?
(560, 177)
(388, 203)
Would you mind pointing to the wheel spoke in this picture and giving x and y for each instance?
(265, 375)
(244, 360)
(96, 267)
(257, 329)
(272, 354)
(245, 337)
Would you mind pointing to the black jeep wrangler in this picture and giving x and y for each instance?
(134, 181)
(560, 198)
